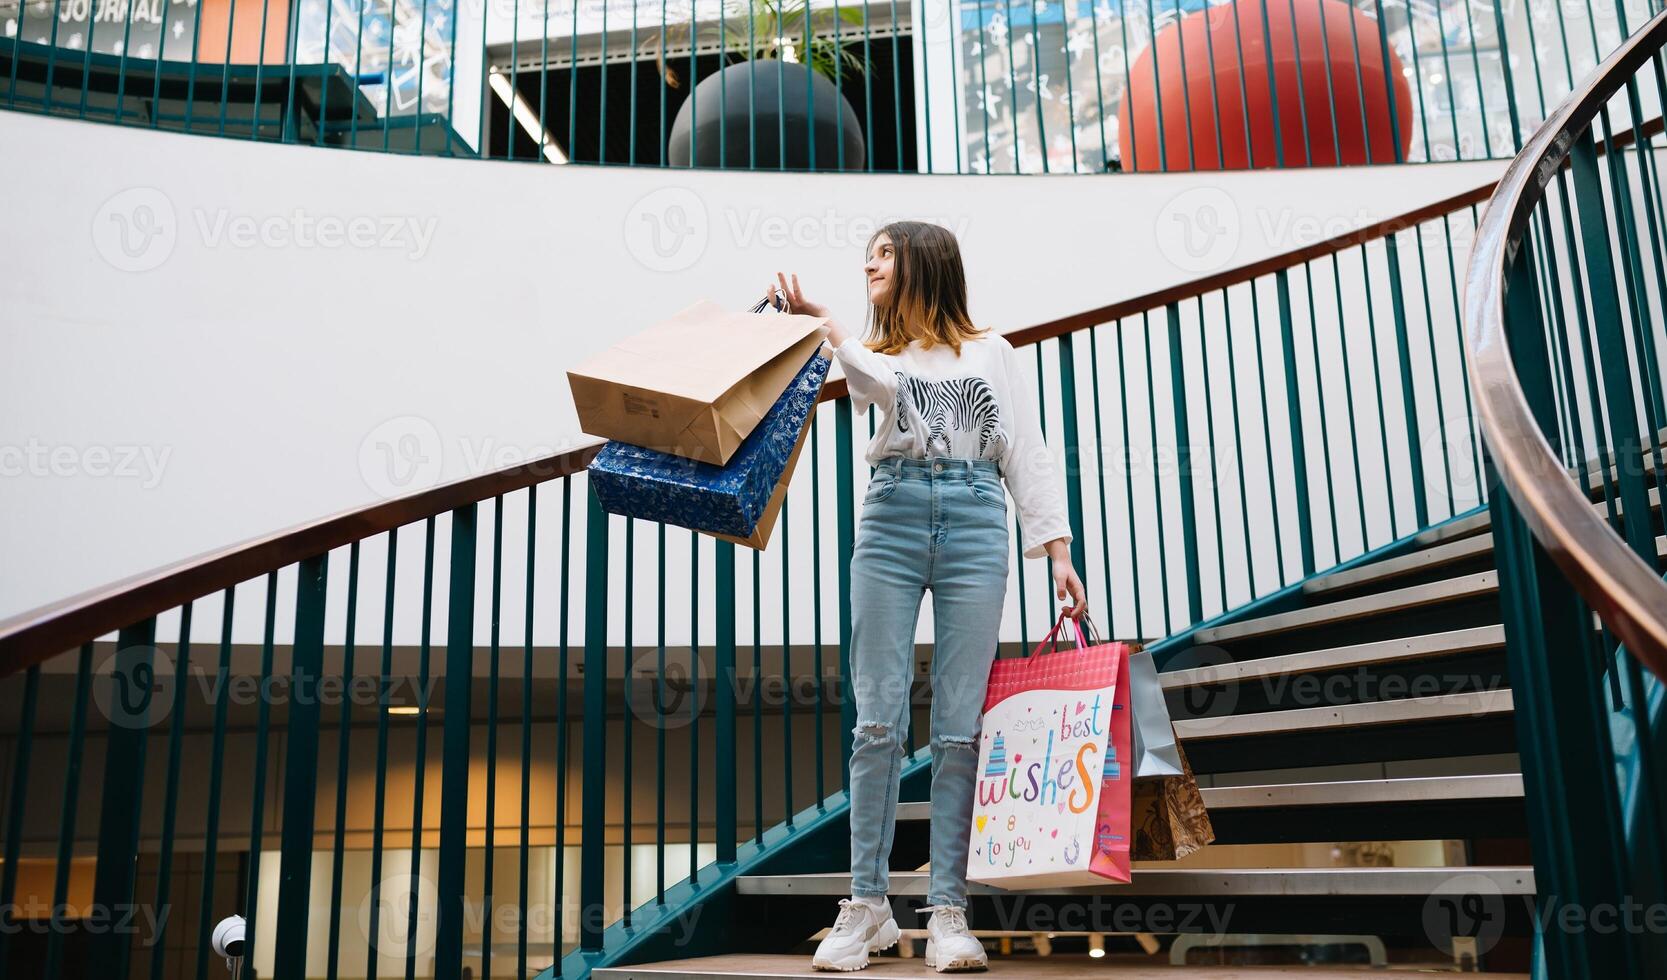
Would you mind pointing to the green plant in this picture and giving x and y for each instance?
(752, 29)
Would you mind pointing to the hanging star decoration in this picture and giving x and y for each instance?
(1080, 41)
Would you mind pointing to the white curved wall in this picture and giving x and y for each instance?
(208, 339)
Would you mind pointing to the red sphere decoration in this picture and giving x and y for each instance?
(1320, 27)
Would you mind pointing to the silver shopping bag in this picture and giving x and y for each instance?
(1155, 753)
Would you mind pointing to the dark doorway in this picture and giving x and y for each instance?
(611, 134)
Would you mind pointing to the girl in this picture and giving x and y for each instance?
(959, 416)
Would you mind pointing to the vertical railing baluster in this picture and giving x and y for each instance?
(816, 593)
(1128, 482)
(757, 715)
(524, 849)
(344, 731)
(1319, 410)
(1210, 447)
(17, 806)
(1472, 434)
(629, 717)
(379, 812)
(1561, 731)
(1435, 370)
(289, 949)
(66, 813)
(845, 515)
(1071, 439)
(419, 768)
(564, 649)
(1238, 438)
(216, 758)
(122, 794)
(1183, 466)
(660, 731)
(1622, 407)
(455, 765)
(694, 705)
(1348, 394)
(488, 901)
(1157, 487)
(257, 808)
(170, 797)
(1388, 82)
(1377, 388)
(1100, 476)
(1403, 357)
(723, 697)
(1293, 396)
(1186, 93)
(787, 672)
(1267, 436)
(1302, 90)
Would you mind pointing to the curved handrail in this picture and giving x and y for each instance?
(34, 636)
(1628, 595)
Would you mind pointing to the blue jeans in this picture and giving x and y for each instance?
(938, 524)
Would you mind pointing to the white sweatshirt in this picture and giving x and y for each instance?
(978, 405)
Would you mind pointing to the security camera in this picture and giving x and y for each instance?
(228, 940)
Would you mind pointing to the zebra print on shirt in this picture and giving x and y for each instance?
(953, 405)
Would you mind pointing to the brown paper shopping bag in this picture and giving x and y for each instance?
(695, 384)
(767, 520)
(1169, 817)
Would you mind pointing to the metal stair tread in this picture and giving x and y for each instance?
(1421, 647)
(1356, 607)
(1353, 792)
(1443, 553)
(776, 966)
(1210, 882)
(1440, 707)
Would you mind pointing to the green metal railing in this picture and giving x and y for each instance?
(1222, 441)
(1565, 318)
(984, 87)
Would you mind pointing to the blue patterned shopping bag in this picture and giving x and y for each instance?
(736, 501)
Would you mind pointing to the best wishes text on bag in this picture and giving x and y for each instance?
(1052, 804)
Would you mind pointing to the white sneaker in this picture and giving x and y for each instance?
(860, 929)
(949, 947)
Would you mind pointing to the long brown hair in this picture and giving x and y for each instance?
(928, 296)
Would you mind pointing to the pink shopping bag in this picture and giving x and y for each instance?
(1053, 782)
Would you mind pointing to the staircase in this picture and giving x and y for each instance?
(1478, 688)
(1382, 691)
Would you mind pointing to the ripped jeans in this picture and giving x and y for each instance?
(937, 524)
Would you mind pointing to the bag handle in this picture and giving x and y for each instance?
(1076, 630)
(775, 300)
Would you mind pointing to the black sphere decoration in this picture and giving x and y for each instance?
(780, 109)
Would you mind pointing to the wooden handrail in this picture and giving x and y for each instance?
(34, 636)
(1627, 593)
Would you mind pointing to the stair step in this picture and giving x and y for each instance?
(1353, 792)
(1458, 527)
(1343, 610)
(1420, 789)
(1440, 707)
(1474, 546)
(1196, 883)
(776, 966)
(1428, 646)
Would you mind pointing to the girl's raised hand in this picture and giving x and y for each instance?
(796, 301)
